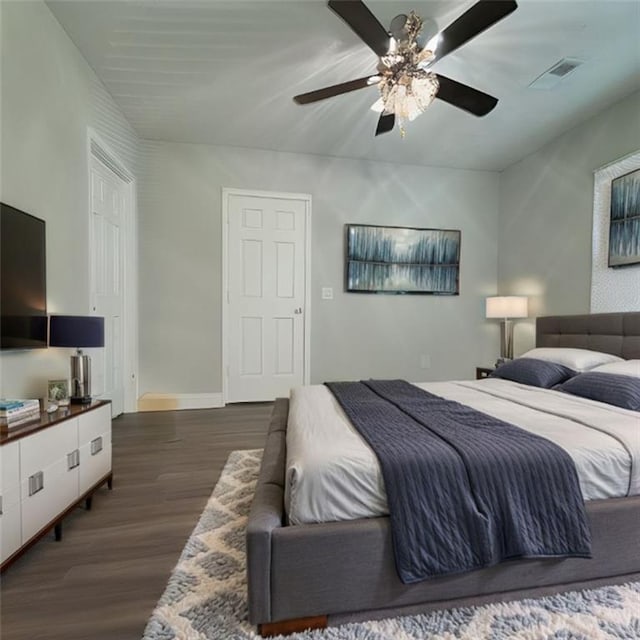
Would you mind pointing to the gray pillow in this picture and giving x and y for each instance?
(534, 372)
(620, 391)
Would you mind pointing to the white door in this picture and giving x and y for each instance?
(108, 202)
(266, 296)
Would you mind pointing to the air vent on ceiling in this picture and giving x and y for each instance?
(552, 76)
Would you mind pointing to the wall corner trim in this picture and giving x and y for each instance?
(629, 156)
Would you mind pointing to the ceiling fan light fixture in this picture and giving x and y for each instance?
(408, 98)
(407, 88)
(406, 53)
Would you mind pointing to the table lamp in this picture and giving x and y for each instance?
(78, 332)
(506, 307)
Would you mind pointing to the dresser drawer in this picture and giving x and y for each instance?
(9, 466)
(42, 448)
(93, 424)
(95, 461)
(95, 446)
(10, 511)
(10, 530)
(48, 478)
(46, 494)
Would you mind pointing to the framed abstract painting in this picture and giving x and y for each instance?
(402, 260)
(624, 220)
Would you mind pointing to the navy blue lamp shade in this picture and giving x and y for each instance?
(76, 331)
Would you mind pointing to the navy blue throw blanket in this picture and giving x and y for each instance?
(465, 490)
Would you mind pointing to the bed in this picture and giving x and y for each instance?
(310, 575)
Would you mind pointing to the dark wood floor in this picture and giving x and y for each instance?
(103, 579)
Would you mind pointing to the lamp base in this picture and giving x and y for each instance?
(80, 379)
(506, 339)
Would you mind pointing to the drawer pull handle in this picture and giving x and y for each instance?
(73, 459)
(36, 482)
(96, 445)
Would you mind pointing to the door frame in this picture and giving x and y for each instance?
(226, 193)
(98, 149)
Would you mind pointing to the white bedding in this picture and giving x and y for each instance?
(332, 474)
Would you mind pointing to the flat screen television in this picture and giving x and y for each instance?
(23, 280)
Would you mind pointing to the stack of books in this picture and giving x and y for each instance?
(14, 413)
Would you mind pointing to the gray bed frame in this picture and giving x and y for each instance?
(308, 576)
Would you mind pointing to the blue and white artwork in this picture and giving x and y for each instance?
(402, 260)
(624, 226)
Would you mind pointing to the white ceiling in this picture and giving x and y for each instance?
(225, 73)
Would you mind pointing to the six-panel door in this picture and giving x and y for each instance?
(266, 296)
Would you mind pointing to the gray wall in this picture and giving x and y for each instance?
(49, 97)
(546, 209)
(354, 334)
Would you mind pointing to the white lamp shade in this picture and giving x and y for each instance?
(507, 307)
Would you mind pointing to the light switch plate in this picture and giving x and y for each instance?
(327, 293)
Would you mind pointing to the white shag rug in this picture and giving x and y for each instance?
(206, 595)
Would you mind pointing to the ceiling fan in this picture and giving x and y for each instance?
(404, 77)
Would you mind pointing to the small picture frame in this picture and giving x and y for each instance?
(58, 392)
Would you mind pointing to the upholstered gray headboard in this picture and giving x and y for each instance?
(616, 333)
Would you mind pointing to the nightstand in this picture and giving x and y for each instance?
(483, 372)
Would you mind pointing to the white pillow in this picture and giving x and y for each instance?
(624, 368)
(576, 359)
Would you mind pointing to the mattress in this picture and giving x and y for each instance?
(333, 475)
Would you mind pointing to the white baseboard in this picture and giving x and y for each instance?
(179, 401)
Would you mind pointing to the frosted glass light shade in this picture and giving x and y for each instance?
(506, 307)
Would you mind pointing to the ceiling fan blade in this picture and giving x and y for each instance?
(385, 123)
(334, 90)
(465, 97)
(356, 14)
(479, 17)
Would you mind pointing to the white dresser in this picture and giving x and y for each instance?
(49, 467)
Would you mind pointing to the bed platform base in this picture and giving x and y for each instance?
(311, 576)
(286, 627)
(331, 573)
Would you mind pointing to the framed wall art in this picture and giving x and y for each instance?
(402, 260)
(615, 279)
(624, 220)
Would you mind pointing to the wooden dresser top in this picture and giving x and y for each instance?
(48, 420)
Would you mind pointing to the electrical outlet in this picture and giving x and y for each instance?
(425, 361)
(327, 293)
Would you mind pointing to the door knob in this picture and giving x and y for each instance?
(298, 311)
